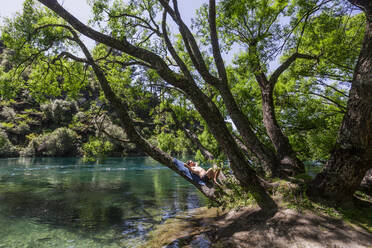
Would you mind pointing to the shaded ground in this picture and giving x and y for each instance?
(248, 227)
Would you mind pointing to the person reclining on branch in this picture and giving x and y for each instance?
(210, 174)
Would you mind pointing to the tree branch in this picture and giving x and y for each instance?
(365, 5)
(123, 45)
(192, 136)
(173, 51)
(333, 88)
(214, 39)
(69, 55)
(146, 26)
(190, 43)
(274, 77)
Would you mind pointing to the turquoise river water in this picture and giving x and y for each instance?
(62, 202)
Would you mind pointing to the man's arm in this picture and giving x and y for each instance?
(187, 166)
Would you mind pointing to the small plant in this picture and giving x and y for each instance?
(233, 198)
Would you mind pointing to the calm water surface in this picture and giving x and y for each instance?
(62, 202)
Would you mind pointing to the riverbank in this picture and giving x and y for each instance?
(248, 227)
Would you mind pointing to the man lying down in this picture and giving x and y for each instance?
(198, 173)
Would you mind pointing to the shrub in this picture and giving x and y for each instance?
(8, 113)
(6, 147)
(59, 111)
(21, 128)
(61, 142)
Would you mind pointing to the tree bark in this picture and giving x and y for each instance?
(366, 185)
(289, 163)
(352, 155)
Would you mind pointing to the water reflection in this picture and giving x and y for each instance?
(111, 204)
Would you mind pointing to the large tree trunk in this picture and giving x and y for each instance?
(352, 155)
(289, 163)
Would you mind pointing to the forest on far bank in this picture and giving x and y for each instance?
(298, 89)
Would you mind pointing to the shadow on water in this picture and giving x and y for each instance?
(122, 199)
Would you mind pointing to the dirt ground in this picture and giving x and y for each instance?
(249, 227)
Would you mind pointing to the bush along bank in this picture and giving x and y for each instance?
(59, 127)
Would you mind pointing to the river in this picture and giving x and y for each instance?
(63, 202)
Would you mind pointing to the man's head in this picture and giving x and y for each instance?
(190, 163)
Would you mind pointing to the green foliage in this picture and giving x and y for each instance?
(309, 102)
(36, 46)
(338, 41)
(60, 142)
(6, 147)
(59, 111)
(31, 137)
(96, 148)
(7, 125)
(209, 142)
(9, 87)
(175, 143)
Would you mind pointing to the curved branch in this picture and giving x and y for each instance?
(214, 38)
(190, 43)
(146, 26)
(274, 77)
(332, 87)
(341, 107)
(173, 51)
(68, 55)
